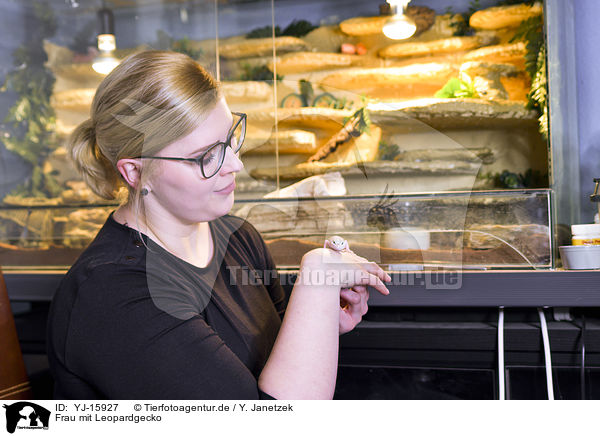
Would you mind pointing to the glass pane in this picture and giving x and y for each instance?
(336, 108)
(498, 229)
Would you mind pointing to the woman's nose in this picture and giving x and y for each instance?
(232, 162)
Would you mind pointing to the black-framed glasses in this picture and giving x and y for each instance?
(211, 160)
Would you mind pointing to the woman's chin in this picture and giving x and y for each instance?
(226, 204)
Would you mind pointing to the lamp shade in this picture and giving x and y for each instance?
(106, 21)
(105, 63)
(399, 26)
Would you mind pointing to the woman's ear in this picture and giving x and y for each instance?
(131, 170)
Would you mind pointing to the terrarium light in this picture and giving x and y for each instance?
(106, 61)
(399, 26)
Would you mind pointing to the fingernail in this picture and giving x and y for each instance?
(389, 278)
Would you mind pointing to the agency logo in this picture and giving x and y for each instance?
(27, 416)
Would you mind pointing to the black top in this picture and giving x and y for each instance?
(132, 321)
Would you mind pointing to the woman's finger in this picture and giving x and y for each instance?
(359, 308)
(365, 274)
(373, 268)
(364, 297)
(361, 289)
(350, 296)
(362, 292)
(367, 278)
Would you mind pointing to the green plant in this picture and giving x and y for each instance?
(338, 103)
(458, 87)
(306, 91)
(538, 94)
(184, 46)
(361, 120)
(510, 180)
(515, 2)
(531, 31)
(462, 27)
(29, 127)
(387, 151)
(263, 32)
(257, 73)
(474, 6)
(296, 28)
(307, 97)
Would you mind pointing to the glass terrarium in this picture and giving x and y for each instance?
(48, 237)
(347, 127)
(459, 230)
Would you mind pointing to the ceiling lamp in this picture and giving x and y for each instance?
(106, 61)
(399, 26)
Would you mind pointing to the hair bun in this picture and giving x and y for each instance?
(95, 169)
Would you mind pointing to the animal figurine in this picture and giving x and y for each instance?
(337, 243)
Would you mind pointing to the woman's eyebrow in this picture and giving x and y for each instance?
(206, 147)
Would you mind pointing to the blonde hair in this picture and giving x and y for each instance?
(148, 101)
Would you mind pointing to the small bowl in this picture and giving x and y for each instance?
(407, 238)
(580, 256)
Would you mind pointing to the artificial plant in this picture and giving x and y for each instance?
(297, 28)
(531, 32)
(458, 87)
(29, 127)
(186, 46)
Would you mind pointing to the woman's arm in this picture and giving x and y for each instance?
(303, 361)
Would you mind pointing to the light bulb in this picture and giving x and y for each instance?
(105, 62)
(399, 27)
(107, 42)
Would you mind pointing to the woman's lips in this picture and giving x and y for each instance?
(228, 189)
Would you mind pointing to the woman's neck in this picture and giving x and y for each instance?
(190, 242)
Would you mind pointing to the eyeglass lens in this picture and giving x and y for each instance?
(213, 160)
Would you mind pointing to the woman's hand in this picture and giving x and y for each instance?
(353, 306)
(341, 269)
(349, 274)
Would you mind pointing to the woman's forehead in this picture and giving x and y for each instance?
(213, 129)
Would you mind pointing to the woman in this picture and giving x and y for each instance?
(157, 307)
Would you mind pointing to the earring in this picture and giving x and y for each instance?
(144, 192)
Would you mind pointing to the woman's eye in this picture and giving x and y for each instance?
(209, 157)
